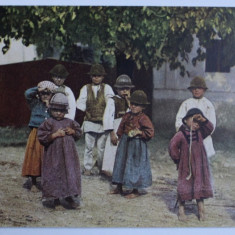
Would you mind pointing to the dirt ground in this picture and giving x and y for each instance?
(21, 208)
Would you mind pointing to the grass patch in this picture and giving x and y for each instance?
(223, 139)
(12, 136)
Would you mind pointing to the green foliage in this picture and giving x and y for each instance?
(147, 35)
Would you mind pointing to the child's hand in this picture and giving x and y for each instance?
(69, 131)
(135, 132)
(199, 118)
(46, 102)
(127, 97)
(195, 126)
(59, 133)
(113, 137)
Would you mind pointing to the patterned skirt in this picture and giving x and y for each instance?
(33, 155)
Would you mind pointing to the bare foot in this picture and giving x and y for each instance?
(132, 195)
(181, 215)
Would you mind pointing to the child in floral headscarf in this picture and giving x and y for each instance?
(38, 99)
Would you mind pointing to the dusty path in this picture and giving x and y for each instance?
(20, 208)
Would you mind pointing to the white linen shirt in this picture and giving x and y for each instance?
(72, 103)
(108, 116)
(208, 111)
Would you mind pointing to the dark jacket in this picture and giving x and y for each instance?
(39, 111)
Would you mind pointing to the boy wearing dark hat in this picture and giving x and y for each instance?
(95, 100)
(123, 86)
(187, 151)
(198, 88)
(59, 75)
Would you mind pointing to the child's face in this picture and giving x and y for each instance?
(58, 80)
(136, 108)
(97, 79)
(198, 92)
(45, 96)
(124, 92)
(189, 122)
(58, 114)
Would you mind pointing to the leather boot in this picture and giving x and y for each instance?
(201, 210)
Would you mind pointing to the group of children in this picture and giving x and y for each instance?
(118, 127)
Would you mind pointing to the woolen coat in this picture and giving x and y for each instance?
(199, 185)
(61, 174)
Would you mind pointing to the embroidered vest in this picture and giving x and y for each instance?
(95, 106)
(120, 106)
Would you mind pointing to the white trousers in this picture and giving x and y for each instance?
(93, 140)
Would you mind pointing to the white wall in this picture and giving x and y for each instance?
(17, 53)
(170, 89)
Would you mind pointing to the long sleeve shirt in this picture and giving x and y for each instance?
(209, 112)
(140, 121)
(39, 111)
(108, 116)
(72, 103)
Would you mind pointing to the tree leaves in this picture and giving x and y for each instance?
(147, 35)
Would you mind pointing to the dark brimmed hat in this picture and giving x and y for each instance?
(59, 101)
(198, 82)
(192, 112)
(139, 97)
(123, 81)
(97, 69)
(59, 70)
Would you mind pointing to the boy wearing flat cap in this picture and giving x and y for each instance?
(198, 88)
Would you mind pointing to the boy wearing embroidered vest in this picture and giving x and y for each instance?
(95, 101)
(123, 86)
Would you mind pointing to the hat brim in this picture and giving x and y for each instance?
(97, 74)
(59, 75)
(188, 116)
(58, 106)
(191, 87)
(138, 103)
(121, 86)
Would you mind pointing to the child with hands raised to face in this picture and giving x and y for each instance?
(121, 101)
(61, 175)
(38, 98)
(187, 151)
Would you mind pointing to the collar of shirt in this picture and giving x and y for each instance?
(95, 89)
